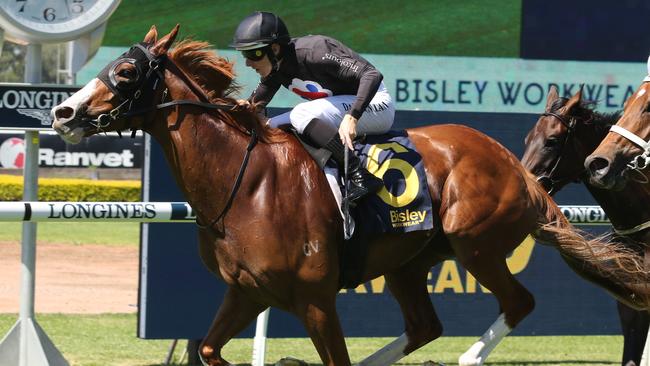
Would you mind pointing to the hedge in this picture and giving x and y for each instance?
(58, 189)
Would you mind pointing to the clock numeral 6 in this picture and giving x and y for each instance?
(77, 6)
(48, 14)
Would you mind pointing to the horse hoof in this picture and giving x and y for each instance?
(433, 363)
(469, 361)
(290, 361)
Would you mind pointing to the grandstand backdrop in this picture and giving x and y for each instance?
(487, 64)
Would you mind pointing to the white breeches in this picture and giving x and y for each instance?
(376, 119)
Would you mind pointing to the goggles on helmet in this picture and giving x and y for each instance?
(254, 54)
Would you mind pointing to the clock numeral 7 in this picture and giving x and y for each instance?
(22, 5)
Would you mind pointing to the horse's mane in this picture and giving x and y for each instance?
(216, 76)
(585, 111)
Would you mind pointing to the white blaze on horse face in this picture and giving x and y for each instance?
(640, 93)
(75, 103)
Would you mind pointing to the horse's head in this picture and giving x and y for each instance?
(622, 151)
(559, 142)
(120, 96)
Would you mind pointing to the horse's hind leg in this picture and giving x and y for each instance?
(409, 286)
(235, 313)
(490, 270)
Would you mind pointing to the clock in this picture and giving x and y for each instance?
(48, 21)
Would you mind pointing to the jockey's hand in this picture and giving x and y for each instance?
(348, 131)
(242, 104)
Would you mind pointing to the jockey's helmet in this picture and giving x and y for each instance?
(259, 30)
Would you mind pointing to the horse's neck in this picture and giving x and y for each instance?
(203, 152)
(626, 208)
(203, 162)
(205, 155)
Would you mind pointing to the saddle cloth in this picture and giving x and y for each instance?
(404, 204)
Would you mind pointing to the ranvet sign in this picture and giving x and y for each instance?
(27, 107)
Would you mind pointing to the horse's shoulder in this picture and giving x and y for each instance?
(290, 153)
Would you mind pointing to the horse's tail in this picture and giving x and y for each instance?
(611, 264)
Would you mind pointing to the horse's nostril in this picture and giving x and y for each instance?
(598, 165)
(63, 112)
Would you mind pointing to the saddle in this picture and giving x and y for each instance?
(402, 205)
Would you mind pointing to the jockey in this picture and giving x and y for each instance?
(345, 93)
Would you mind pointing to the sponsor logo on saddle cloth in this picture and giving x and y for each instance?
(404, 204)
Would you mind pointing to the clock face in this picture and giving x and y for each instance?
(53, 20)
(49, 11)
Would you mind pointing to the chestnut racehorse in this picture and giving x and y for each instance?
(623, 154)
(262, 199)
(556, 147)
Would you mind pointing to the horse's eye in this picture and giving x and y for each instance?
(127, 73)
(551, 143)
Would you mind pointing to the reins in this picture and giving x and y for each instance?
(235, 187)
(156, 71)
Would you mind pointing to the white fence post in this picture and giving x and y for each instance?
(259, 342)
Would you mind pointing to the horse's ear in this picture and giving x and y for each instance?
(163, 45)
(152, 36)
(575, 100)
(551, 98)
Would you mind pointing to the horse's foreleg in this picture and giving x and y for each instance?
(635, 329)
(324, 329)
(235, 313)
(409, 286)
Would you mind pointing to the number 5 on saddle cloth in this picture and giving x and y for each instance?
(404, 203)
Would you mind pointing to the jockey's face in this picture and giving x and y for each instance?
(263, 66)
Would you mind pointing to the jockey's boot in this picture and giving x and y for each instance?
(325, 135)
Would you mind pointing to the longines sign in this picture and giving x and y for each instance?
(27, 107)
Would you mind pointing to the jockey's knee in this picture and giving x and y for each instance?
(304, 113)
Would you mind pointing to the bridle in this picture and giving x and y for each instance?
(556, 184)
(137, 98)
(638, 163)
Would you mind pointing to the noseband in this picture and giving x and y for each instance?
(555, 184)
(638, 163)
